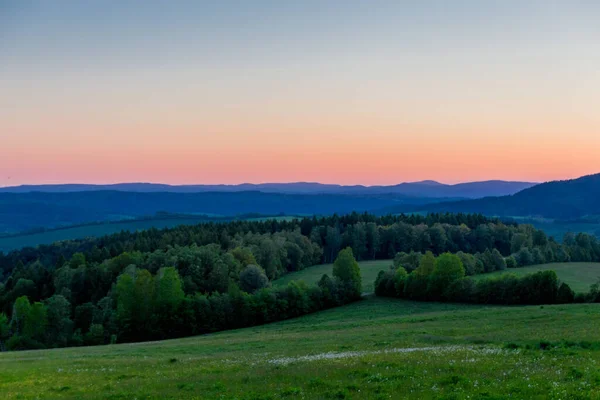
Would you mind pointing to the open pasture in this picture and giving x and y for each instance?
(376, 348)
(311, 275)
(578, 275)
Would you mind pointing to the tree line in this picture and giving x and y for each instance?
(444, 278)
(342, 230)
(80, 281)
(145, 306)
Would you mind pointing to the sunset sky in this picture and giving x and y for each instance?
(369, 92)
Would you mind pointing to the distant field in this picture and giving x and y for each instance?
(374, 349)
(558, 229)
(577, 275)
(101, 229)
(311, 275)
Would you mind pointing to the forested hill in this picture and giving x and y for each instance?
(24, 211)
(568, 199)
(190, 280)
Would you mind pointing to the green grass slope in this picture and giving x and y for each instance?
(579, 276)
(375, 349)
(311, 275)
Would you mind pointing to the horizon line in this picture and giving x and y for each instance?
(424, 181)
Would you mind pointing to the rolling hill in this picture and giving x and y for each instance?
(567, 200)
(373, 349)
(26, 211)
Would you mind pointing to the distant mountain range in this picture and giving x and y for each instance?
(569, 199)
(26, 208)
(470, 190)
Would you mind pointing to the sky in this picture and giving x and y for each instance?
(350, 92)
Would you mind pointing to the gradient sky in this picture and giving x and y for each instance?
(371, 92)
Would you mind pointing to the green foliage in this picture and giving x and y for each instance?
(409, 261)
(498, 260)
(347, 271)
(77, 260)
(469, 261)
(60, 325)
(169, 293)
(253, 278)
(95, 335)
(84, 316)
(511, 262)
(244, 256)
(292, 358)
(36, 322)
(4, 331)
(120, 282)
(565, 294)
(448, 282)
(399, 281)
(524, 257)
(20, 314)
(135, 293)
(448, 268)
(577, 275)
(426, 265)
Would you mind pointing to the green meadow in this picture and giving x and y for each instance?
(579, 275)
(311, 275)
(373, 349)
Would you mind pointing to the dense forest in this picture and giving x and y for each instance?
(195, 279)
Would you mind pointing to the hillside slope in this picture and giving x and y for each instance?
(22, 211)
(568, 199)
(371, 349)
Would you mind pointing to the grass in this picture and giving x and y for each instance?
(311, 275)
(351, 352)
(579, 276)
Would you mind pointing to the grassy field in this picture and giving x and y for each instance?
(577, 275)
(373, 349)
(311, 275)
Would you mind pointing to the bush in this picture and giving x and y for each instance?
(511, 262)
(17, 342)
